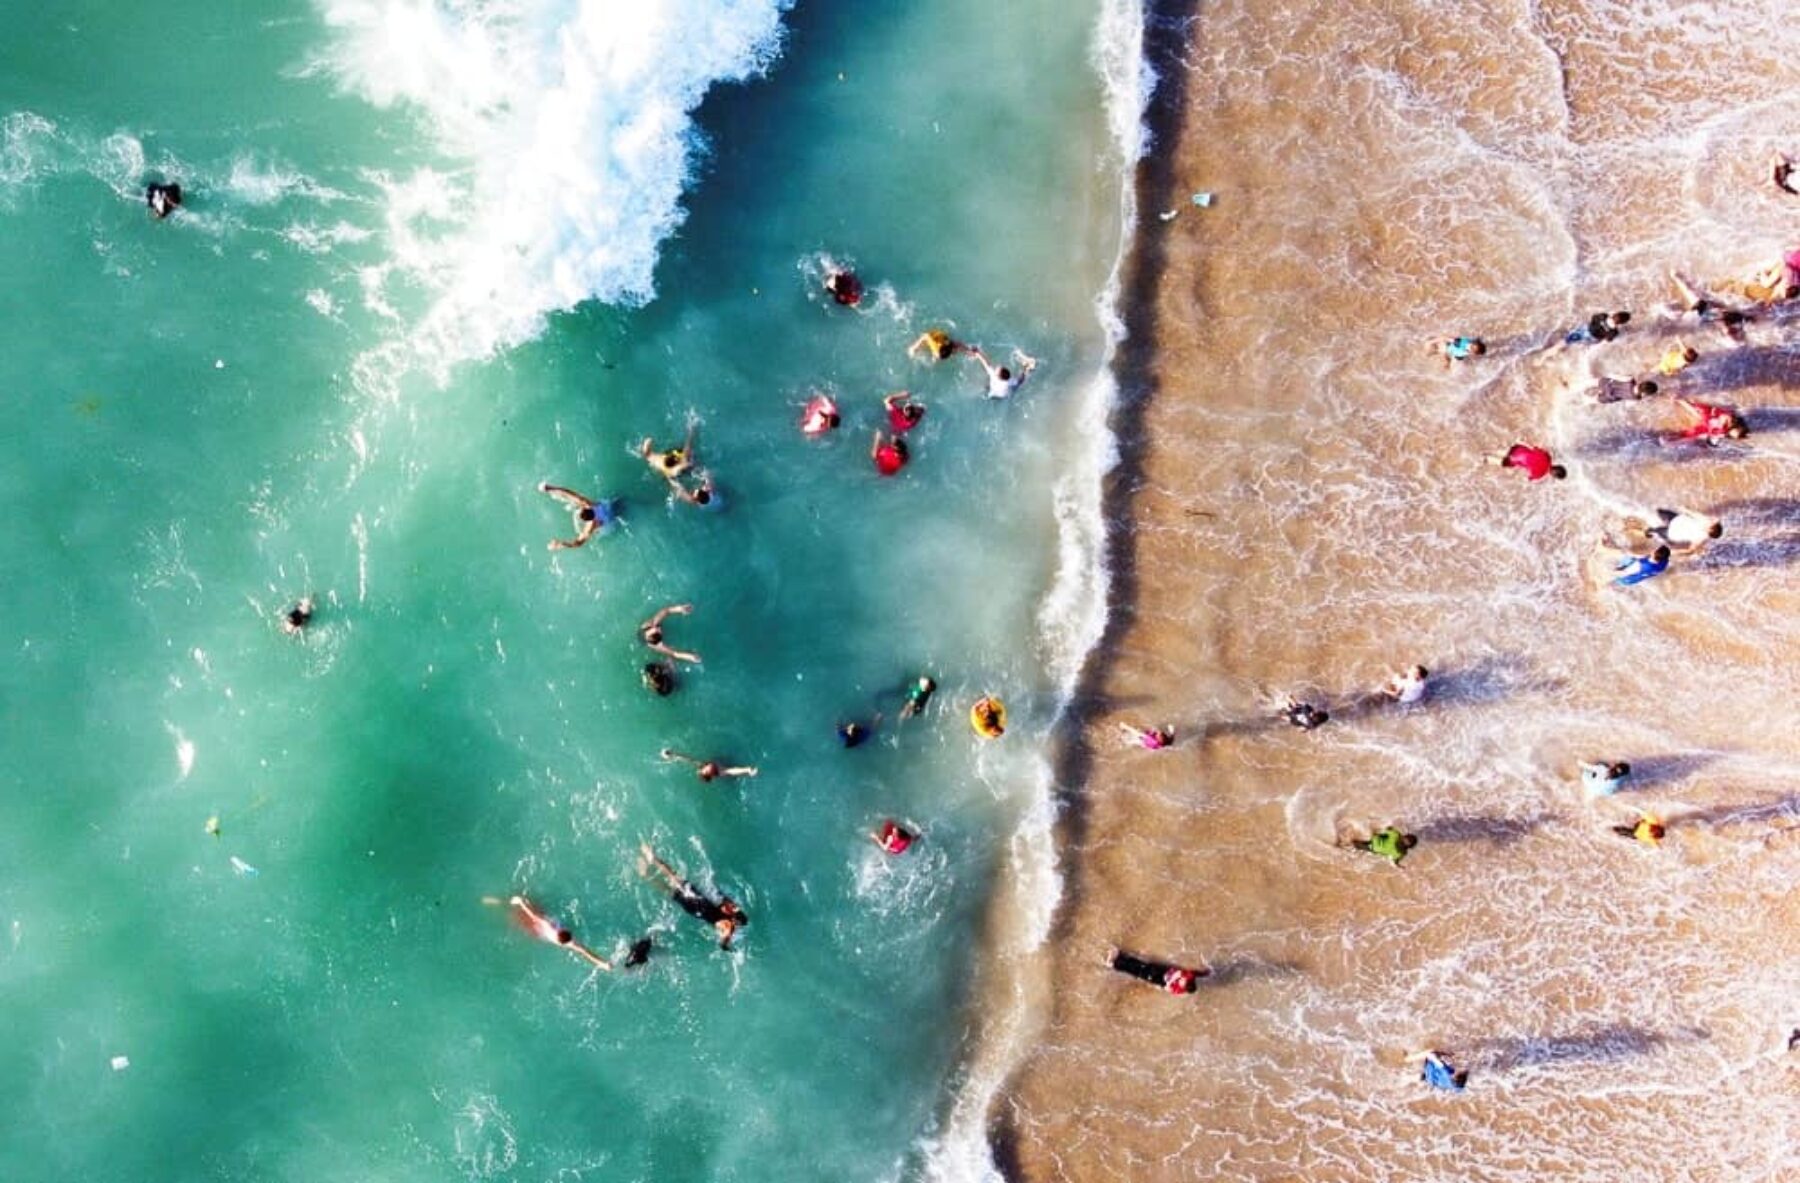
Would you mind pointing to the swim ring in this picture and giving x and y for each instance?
(988, 718)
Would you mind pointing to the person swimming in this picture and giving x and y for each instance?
(1004, 380)
(298, 615)
(163, 198)
(889, 455)
(1407, 686)
(590, 516)
(936, 344)
(1389, 842)
(673, 462)
(704, 495)
(651, 633)
(549, 931)
(1176, 979)
(659, 678)
(844, 287)
(1151, 739)
(707, 770)
(854, 734)
(918, 695)
(1685, 529)
(1709, 424)
(1533, 461)
(1439, 1073)
(892, 837)
(1648, 830)
(723, 914)
(820, 416)
(903, 414)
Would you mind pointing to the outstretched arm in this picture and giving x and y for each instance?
(667, 872)
(589, 528)
(671, 756)
(739, 770)
(664, 648)
(568, 497)
(875, 448)
(593, 958)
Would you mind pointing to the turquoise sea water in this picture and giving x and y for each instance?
(289, 388)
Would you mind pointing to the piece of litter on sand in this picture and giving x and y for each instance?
(1169, 215)
(1203, 199)
(120, 1063)
(242, 867)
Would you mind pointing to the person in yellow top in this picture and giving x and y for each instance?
(1649, 830)
(1677, 358)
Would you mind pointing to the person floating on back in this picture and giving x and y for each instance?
(707, 770)
(1176, 979)
(548, 930)
(298, 615)
(1438, 1072)
(892, 837)
(590, 516)
(163, 198)
(918, 695)
(1709, 424)
(1458, 349)
(1603, 780)
(1003, 380)
(1390, 842)
(1407, 686)
(651, 633)
(1634, 569)
(903, 413)
(723, 914)
(889, 455)
(1303, 715)
(1535, 462)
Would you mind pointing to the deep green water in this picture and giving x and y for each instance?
(465, 718)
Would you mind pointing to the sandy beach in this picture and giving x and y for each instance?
(1301, 506)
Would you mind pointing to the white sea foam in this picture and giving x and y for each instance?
(567, 136)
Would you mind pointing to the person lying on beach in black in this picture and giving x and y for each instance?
(1175, 979)
(1303, 715)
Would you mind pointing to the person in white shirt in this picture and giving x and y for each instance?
(1408, 686)
(1003, 380)
(1685, 530)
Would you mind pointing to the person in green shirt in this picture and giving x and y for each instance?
(1390, 843)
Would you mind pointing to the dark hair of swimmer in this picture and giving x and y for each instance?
(564, 936)
(710, 770)
(659, 678)
(1408, 841)
(1737, 430)
(1661, 555)
(639, 952)
(912, 412)
(1421, 671)
(1716, 529)
(1460, 1079)
(298, 616)
(1732, 316)
(652, 635)
(1646, 388)
(703, 496)
(1559, 472)
(1005, 374)
(1618, 771)
(1478, 347)
(1619, 318)
(585, 513)
(899, 445)
(831, 419)
(1790, 291)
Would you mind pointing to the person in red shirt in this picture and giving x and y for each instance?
(889, 454)
(1708, 423)
(1535, 461)
(893, 838)
(903, 413)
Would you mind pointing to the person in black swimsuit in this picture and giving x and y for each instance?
(1176, 979)
(723, 914)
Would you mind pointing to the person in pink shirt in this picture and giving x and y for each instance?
(1708, 423)
(1535, 461)
(820, 416)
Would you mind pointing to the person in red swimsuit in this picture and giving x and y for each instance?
(903, 413)
(1535, 461)
(889, 454)
(893, 838)
(1708, 423)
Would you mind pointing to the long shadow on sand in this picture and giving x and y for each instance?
(1476, 827)
(1658, 772)
(1616, 1041)
(1742, 814)
(1253, 969)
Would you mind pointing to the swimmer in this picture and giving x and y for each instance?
(1303, 715)
(1685, 530)
(297, 617)
(1648, 830)
(820, 416)
(1003, 380)
(918, 695)
(659, 678)
(1407, 686)
(1603, 780)
(1390, 842)
(1708, 424)
(639, 952)
(854, 734)
(672, 463)
(1781, 172)
(162, 198)
(1438, 1072)
(1634, 569)
(651, 633)
(843, 286)
(1153, 739)
(889, 455)
(548, 930)
(936, 344)
(1535, 462)
(707, 770)
(1458, 349)
(590, 516)
(1677, 358)
(724, 915)
(1176, 979)
(705, 495)
(893, 838)
(903, 414)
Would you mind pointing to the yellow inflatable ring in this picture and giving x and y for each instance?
(988, 718)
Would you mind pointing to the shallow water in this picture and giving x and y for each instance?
(341, 370)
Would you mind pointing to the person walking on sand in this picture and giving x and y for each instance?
(1535, 462)
(889, 455)
(1685, 530)
(590, 516)
(892, 837)
(1437, 1071)
(672, 463)
(1708, 424)
(1458, 349)
(1176, 979)
(707, 770)
(723, 914)
(1603, 780)
(1648, 830)
(936, 345)
(1152, 739)
(1407, 686)
(903, 412)
(651, 633)
(298, 615)
(1390, 842)
(1003, 380)
(549, 931)
(1303, 715)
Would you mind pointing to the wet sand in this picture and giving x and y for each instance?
(1301, 506)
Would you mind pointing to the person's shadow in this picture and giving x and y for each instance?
(1613, 1042)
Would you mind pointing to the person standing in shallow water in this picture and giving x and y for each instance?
(1437, 1071)
(297, 617)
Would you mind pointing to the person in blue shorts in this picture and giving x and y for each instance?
(1636, 569)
